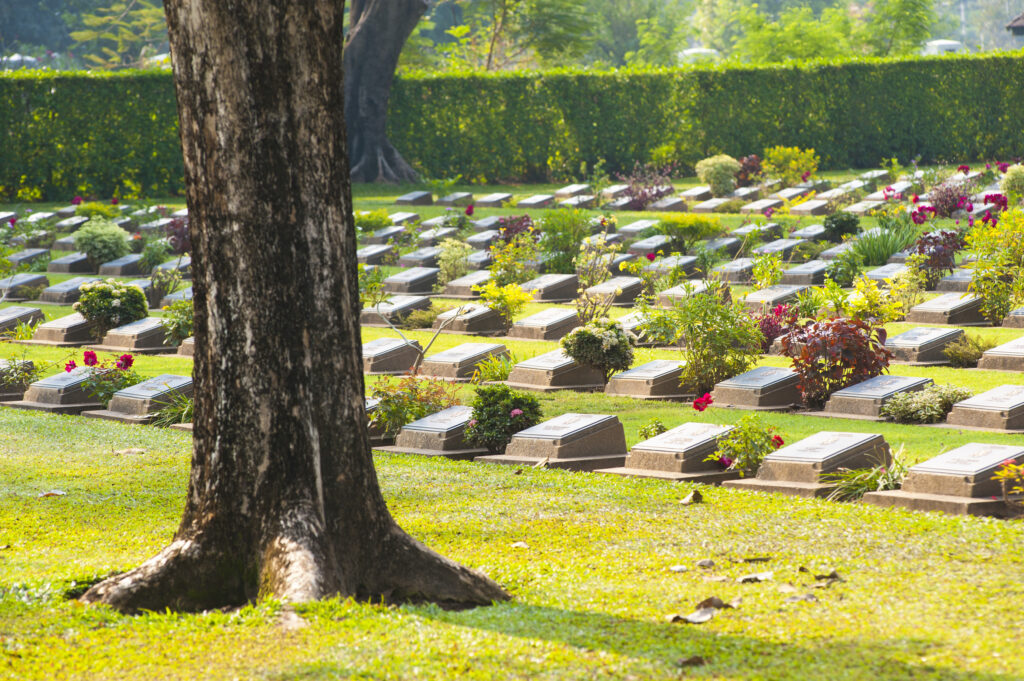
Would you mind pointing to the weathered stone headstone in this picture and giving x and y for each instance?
(394, 309)
(957, 482)
(1015, 320)
(813, 207)
(536, 201)
(37, 217)
(760, 206)
(417, 280)
(141, 402)
(415, 199)
(182, 265)
(495, 200)
(867, 397)
(701, 193)
(957, 282)
(71, 224)
(6, 215)
(456, 199)
(471, 318)
(479, 260)
(862, 208)
(172, 298)
(26, 256)
(810, 273)
(658, 379)
(19, 286)
(433, 237)
(668, 204)
(583, 201)
(791, 193)
(949, 308)
(11, 317)
(770, 230)
(835, 251)
(678, 454)
(379, 238)
(582, 442)
(771, 388)
(494, 222)
(553, 288)
(389, 355)
(1001, 408)
(376, 254)
(74, 263)
(156, 226)
(63, 393)
(65, 243)
(798, 468)
(739, 271)
(748, 194)
(810, 233)
(463, 287)
(125, 266)
(554, 371)
(441, 434)
(460, 362)
(890, 191)
(635, 230)
(187, 347)
(66, 292)
(729, 245)
(551, 324)
(771, 296)
(1005, 357)
(621, 290)
(572, 190)
(672, 296)
(652, 244)
(891, 271)
(615, 191)
(145, 336)
(483, 240)
(403, 217)
(923, 345)
(687, 264)
(783, 247)
(710, 206)
(421, 257)
(11, 388)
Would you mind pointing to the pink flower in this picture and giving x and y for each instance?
(469, 210)
(12, 221)
(803, 178)
(725, 461)
(515, 412)
(76, 201)
(124, 362)
(89, 358)
(964, 169)
(651, 256)
(768, 212)
(777, 441)
(114, 201)
(915, 198)
(1003, 167)
(703, 402)
(472, 422)
(70, 366)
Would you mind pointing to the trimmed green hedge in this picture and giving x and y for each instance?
(97, 134)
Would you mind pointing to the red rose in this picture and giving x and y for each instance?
(469, 210)
(777, 441)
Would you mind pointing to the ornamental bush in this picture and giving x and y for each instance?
(178, 321)
(840, 224)
(719, 173)
(507, 301)
(499, 412)
(409, 398)
(1013, 181)
(746, 446)
(601, 344)
(111, 303)
(930, 405)
(102, 241)
(832, 354)
(938, 250)
(685, 230)
(792, 165)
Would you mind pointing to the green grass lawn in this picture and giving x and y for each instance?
(586, 557)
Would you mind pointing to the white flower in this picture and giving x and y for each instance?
(116, 303)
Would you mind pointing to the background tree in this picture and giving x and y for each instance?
(283, 498)
(898, 26)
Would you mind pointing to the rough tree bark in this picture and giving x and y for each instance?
(377, 31)
(283, 498)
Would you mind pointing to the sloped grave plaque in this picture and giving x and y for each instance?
(483, 240)
(768, 388)
(187, 347)
(783, 247)
(415, 199)
(835, 251)
(652, 244)
(394, 309)
(729, 245)
(622, 290)
(11, 317)
(462, 287)
(771, 296)
(710, 205)
(579, 442)
(403, 217)
(433, 237)
(672, 296)
(810, 273)
(19, 286)
(770, 230)
(678, 454)
(421, 257)
(1015, 320)
(26, 256)
(555, 371)
(414, 281)
(495, 200)
(816, 207)
(950, 308)
(126, 266)
(389, 355)
(687, 264)
(867, 397)
(378, 238)
(890, 271)
(11, 390)
(456, 199)
(553, 288)
(141, 402)
(460, 362)
(760, 206)
(441, 434)
(73, 263)
(635, 230)
(673, 204)
(739, 271)
(145, 336)
(62, 393)
(810, 233)
(700, 193)
(183, 265)
(375, 254)
(1001, 408)
(536, 201)
(654, 380)
(1005, 357)
(923, 345)
(549, 325)
(67, 331)
(957, 282)
(66, 292)
(472, 318)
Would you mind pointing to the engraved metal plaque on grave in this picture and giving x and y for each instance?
(444, 421)
(124, 266)
(759, 379)
(572, 190)
(549, 361)
(884, 272)
(146, 398)
(1004, 398)
(550, 324)
(432, 237)
(948, 308)
(685, 263)
(389, 355)
(700, 193)
(495, 200)
(760, 388)
(144, 335)
(415, 199)
(71, 263)
(970, 460)
(822, 448)
(685, 437)
(472, 318)
(490, 222)
(882, 387)
(421, 257)
(816, 207)
(672, 296)
(61, 393)
(747, 194)
(710, 206)
(790, 193)
(923, 338)
(11, 317)
(634, 229)
(655, 380)
(668, 204)
(1005, 357)
(403, 217)
(66, 292)
(1001, 408)
(460, 361)
(71, 224)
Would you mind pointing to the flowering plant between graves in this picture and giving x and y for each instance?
(703, 402)
(719, 173)
(833, 354)
(409, 398)
(102, 241)
(773, 323)
(1010, 476)
(767, 270)
(106, 377)
(507, 301)
(998, 276)
(647, 183)
(515, 254)
(111, 303)
(500, 412)
(746, 446)
(939, 250)
(178, 321)
(601, 344)
(652, 428)
(930, 405)
(750, 170)
(790, 164)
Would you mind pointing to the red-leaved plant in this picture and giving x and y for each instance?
(774, 323)
(940, 249)
(832, 354)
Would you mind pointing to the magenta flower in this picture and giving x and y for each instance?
(76, 201)
(963, 169)
(124, 362)
(472, 422)
(12, 221)
(89, 358)
(1003, 167)
(515, 412)
(725, 461)
(777, 441)
(703, 402)
(114, 201)
(70, 366)
(915, 198)
(803, 178)
(469, 210)
(768, 212)
(651, 256)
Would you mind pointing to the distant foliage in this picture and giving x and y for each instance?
(102, 241)
(840, 224)
(792, 165)
(966, 352)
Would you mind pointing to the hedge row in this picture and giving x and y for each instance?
(101, 134)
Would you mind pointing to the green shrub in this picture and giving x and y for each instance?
(372, 220)
(154, 252)
(930, 405)
(179, 409)
(515, 257)
(767, 270)
(409, 398)
(852, 484)
(601, 344)
(845, 267)
(499, 413)
(686, 229)
(561, 234)
(792, 165)
(178, 321)
(95, 209)
(719, 173)
(839, 225)
(495, 368)
(424, 319)
(746, 446)
(102, 241)
(507, 301)
(18, 372)
(896, 232)
(966, 352)
(1013, 181)
(453, 260)
(109, 304)
(652, 428)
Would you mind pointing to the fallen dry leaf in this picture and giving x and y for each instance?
(542, 463)
(809, 598)
(678, 568)
(131, 451)
(520, 545)
(756, 577)
(53, 493)
(694, 497)
(706, 563)
(717, 603)
(692, 661)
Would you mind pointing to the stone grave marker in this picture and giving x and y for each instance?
(769, 297)
(6, 215)
(65, 243)
(615, 263)
(835, 251)
(1015, 320)
(62, 393)
(156, 226)
(1005, 357)
(710, 206)
(12, 390)
(462, 288)
(146, 286)
(19, 286)
(635, 229)
(381, 237)
(536, 201)
(71, 224)
(770, 230)
(141, 402)
(867, 397)
(923, 345)
(797, 469)
(810, 273)
(572, 190)
(389, 355)
(763, 388)
(432, 223)
(553, 288)
(171, 298)
(880, 274)
(658, 379)
(456, 199)
(633, 322)
(414, 281)
(37, 217)
(145, 336)
(460, 362)
(421, 257)
(729, 245)
(11, 317)
(394, 309)
(479, 260)
(815, 207)
(26, 256)
(73, 263)
(873, 177)
(957, 282)
(671, 297)
(957, 482)
(415, 199)
(474, 318)
(1001, 408)
(33, 239)
(950, 308)
(582, 442)
(748, 194)
(862, 208)
(433, 237)
(181, 213)
(668, 204)
(890, 191)
(791, 193)
(125, 266)
(66, 292)
(550, 325)
(491, 222)
(678, 454)
(898, 258)
(832, 195)
(555, 371)
(760, 206)
(687, 264)
(495, 200)
(441, 434)
(403, 217)
(739, 271)
(582, 202)
(652, 244)
(187, 347)
(622, 290)
(615, 191)
(783, 247)
(482, 240)
(701, 193)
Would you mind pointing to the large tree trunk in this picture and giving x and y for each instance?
(283, 499)
(377, 31)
